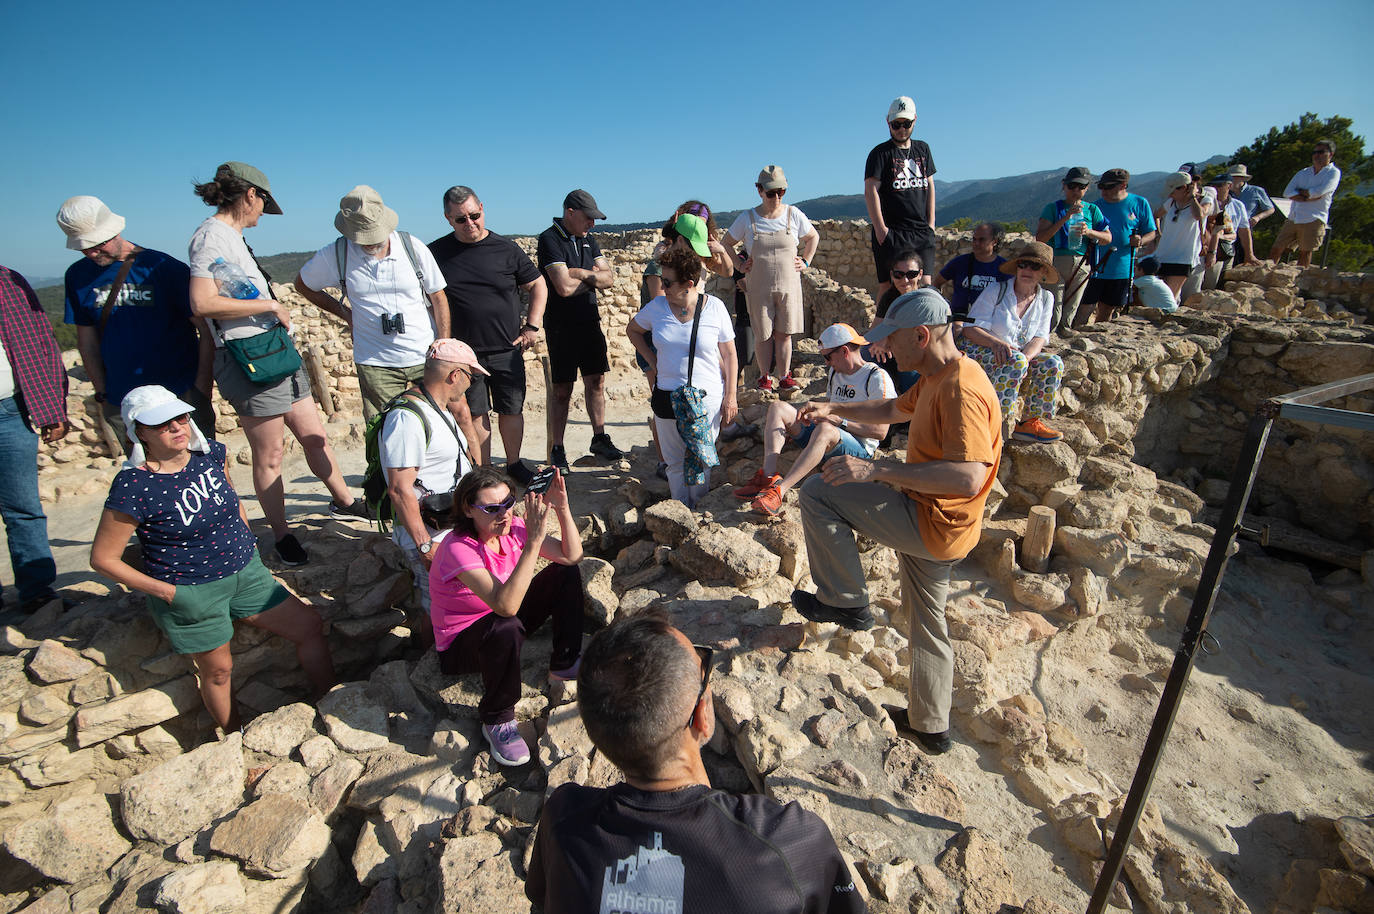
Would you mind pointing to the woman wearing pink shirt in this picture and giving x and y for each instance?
(485, 596)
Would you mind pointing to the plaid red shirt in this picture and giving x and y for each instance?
(40, 381)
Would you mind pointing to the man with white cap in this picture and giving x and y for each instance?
(396, 293)
(33, 400)
(143, 333)
(928, 508)
(423, 456)
(851, 380)
(574, 268)
(899, 192)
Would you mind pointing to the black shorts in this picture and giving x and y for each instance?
(506, 384)
(580, 347)
(897, 241)
(1175, 269)
(1114, 293)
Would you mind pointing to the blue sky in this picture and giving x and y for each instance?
(642, 104)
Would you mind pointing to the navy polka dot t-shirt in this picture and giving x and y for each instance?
(188, 521)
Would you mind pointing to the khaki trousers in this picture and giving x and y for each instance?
(831, 515)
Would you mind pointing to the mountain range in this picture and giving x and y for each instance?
(1016, 197)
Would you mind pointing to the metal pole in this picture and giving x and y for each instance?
(1242, 481)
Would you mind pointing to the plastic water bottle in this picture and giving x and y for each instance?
(233, 282)
(1077, 244)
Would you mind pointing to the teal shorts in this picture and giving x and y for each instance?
(201, 616)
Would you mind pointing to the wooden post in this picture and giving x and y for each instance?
(548, 406)
(102, 425)
(319, 380)
(1035, 547)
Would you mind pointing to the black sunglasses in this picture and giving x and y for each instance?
(501, 507)
(705, 654)
(906, 274)
(465, 218)
(160, 426)
(775, 193)
(900, 125)
(1029, 265)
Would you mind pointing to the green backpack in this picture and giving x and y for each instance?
(375, 491)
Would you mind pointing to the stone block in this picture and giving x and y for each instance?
(183, 795)
(273, 836)
(76, 841)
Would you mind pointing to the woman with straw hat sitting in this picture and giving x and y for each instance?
(1008, 326)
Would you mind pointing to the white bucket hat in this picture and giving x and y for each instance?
(153, 404)
(88, 222)
(363, 218)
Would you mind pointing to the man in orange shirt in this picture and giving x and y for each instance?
(928, 508)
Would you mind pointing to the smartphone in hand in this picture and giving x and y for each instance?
(541, 481)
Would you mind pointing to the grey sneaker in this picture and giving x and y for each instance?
(602, 446)
(858, 618)
(357, 508)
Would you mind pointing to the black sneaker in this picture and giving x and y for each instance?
(519, 472)
(558, 457)
(934, 743)
(602, 446)
(738, 430)
(34, 604)
(859, 618)
(356, 508)
(290, 551)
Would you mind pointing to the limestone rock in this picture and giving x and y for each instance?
(286, 778)
(44, 707)
(272, 836)
(600, 602)
(55, 765)
(394, 772)
(977, 863)
(885, 879)
(280, 731)
(136, 710)
(764, 743)
(55, 662)
(14, 684)
(565, 736)
(328, 789)
(182, 796)
(734, 704)
(317, 753)
(1041, 467)
(475, 875)
(205, 888)
(917, 780)
(1103, 551)
(725, 555)
(1357, 843)
(354, 718)
(670, 522)
(76, 841)
(372, 862)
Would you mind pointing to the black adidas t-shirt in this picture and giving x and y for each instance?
(693, 850)
(905, 177)
(483, 282)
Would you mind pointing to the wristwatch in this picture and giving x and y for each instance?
(529, 326)
(844, 423)
(425, 548)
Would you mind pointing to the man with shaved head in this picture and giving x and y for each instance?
(664, 840)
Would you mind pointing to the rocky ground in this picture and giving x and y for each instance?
(118, 797)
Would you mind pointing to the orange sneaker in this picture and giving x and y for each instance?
(769, 501)
(756, 485)
(1035, 430)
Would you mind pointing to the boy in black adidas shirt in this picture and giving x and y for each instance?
(664, 840)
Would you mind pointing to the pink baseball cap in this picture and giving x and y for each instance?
(457, 352)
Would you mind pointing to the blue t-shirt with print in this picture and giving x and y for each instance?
(1054, 211)
(149, 338)
(188, 521)
(968, 287)
(1129, 216)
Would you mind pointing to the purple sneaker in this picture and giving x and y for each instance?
(507, 746)
(567, 673)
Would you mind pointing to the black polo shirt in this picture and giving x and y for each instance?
(556, 245)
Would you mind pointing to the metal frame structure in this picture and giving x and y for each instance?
(1300, 406)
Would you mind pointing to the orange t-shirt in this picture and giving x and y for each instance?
(955, 417)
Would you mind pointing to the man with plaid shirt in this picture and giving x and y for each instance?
(33, 395)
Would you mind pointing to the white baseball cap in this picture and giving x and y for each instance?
(837, 335)
(902, 107)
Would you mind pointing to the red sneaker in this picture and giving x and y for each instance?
(769, 501)
(765, 383)
(757, 484)
(789, 382)
(1035, 430)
